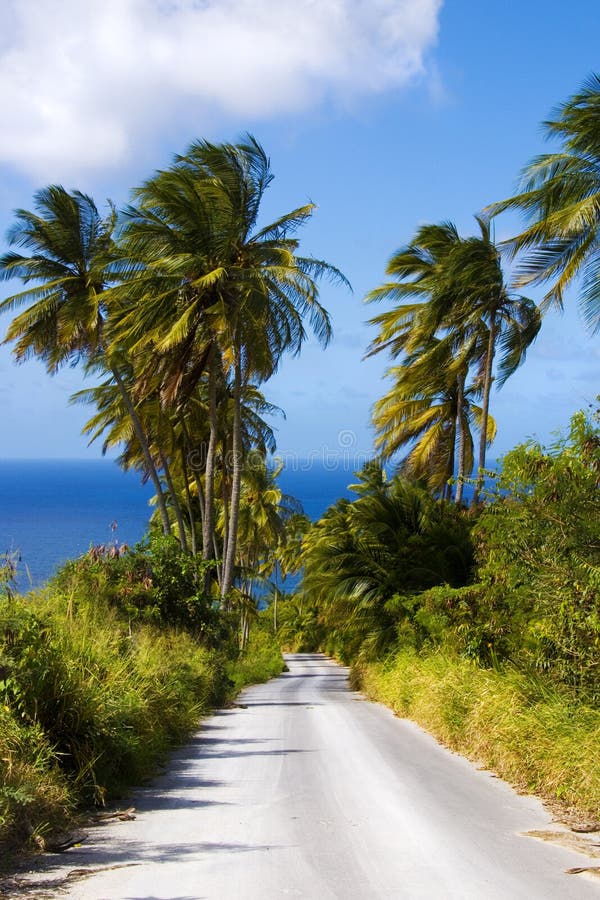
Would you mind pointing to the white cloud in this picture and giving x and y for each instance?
(83, 82)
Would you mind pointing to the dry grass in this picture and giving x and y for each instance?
(527, 731)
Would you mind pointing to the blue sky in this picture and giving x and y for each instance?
(385, 113)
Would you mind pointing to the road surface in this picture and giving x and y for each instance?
(307, 790)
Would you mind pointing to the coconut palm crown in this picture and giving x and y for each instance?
(559, 195)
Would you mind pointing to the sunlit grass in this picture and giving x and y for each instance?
(90, 703)
(526, 730)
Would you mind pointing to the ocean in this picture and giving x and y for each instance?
(53, 510)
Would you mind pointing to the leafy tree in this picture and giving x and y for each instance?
(540, 550)
(482, 297)
(395, 539)
(426, 408)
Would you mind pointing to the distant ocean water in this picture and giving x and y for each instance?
(53, 510)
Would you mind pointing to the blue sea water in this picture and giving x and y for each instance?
(53, 510)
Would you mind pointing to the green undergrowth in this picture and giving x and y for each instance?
(260, 661)
(530, 732)
(90, 702)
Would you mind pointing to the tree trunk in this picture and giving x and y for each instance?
(143, 442)
(485, 406)
(188, 503)
(208, 522)
(174, 502)
(460, 403)
(225, 497)
(447, 492)
(186, 456)
(236, 481)
(200, 492)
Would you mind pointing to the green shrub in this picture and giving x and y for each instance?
(539, 549)
(108, 700)
(156, 582)
(90, 702)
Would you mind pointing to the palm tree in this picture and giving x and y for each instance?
(264, 510)
(65, 275)
(560, 197)
(481, 297)
(411, 328)
(464, 309)
(395, 539)
(216, 287)
(112, 421)
(429, 408)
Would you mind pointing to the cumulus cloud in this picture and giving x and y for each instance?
(84, 82)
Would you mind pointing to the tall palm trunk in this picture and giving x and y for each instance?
(208, 521)
(447, 492)
(485, 405)
(186, 456)
(174, 501)
(460, 419)
(236, 480)
(225, 502)
(188, 502)
(143, 442)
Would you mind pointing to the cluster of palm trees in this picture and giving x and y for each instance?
(459, 326)
(182, 305)
(455, 327)
(461, 312)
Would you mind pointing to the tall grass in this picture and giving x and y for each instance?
(260, 661)
(89, 703)
(525, 729)
(33, 791)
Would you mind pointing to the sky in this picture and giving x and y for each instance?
(387, 114)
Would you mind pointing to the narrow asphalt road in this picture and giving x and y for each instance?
(307, 790)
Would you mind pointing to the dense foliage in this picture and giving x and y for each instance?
(183, 305)
(180, 305)
(96, 685)
(483, 628)
(540, 556)
(365, 560)
(518, 583)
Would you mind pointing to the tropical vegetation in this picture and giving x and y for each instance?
(483, 623)
(180, 305)
(461, 316)
(101, 673)
(559, 197)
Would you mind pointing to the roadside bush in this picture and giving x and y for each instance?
(299, 630)
(475, 621)
(155, 583)
(108, 700)
(539, 547)
(90, 702)
(261, 658)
